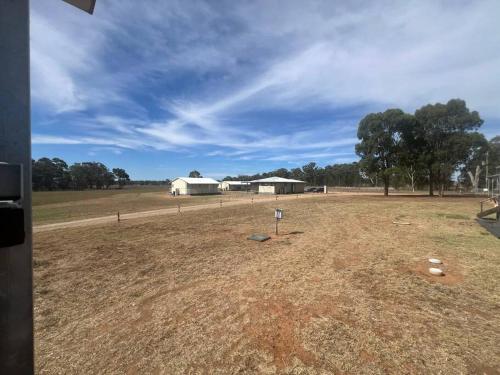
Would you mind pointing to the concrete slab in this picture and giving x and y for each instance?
(259, 237)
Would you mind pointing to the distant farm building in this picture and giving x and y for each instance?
(234, 185)
(194, 186)
(277, 185)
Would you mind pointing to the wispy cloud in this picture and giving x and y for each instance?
(229, 80)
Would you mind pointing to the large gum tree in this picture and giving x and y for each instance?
(379, 146)
(445, 130)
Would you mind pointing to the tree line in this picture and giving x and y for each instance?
(426, 149)
(433, 145)
(346, 174)
(55, 174)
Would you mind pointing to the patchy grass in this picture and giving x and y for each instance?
(61, 206)
(341, 290)
(41, 198)
(453, 216)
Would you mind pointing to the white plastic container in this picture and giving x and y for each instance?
(436, 271)
(435, 261)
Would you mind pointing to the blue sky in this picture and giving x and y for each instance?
(226, 87)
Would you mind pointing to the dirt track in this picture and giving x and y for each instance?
(164, 211)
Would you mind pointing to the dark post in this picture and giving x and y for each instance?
(118, 216)
(277, 226)
(16, 298)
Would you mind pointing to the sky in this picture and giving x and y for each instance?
(162, 87)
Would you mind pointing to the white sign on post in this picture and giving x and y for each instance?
(278, 214)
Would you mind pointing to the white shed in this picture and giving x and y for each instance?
(194, 186)
(278, 185)
(234, 185)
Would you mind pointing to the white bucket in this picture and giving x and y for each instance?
(435, 261)
(436, 271)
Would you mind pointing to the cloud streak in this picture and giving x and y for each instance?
(228, 79)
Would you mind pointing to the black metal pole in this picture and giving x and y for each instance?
(16, 280)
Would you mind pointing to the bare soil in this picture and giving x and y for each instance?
(340, 290)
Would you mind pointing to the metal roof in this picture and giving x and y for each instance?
(277, 179)
(237, 182)
(198, 181)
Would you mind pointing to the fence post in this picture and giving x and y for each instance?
(118, 216)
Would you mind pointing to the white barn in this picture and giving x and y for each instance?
(278, 185)
(194, 186)
(234, 185)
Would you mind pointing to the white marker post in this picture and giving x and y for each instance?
(278, 214)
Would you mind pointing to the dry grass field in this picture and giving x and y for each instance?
(61, 206)
(341, 290)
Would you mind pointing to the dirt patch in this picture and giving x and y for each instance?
(452, 273)
(275, 325)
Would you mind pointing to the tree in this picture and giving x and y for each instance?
(494, 155)
(473, 167)
(97, 174)
(282, 172)
(310, 173)
(121, 176)
(346, 174)
(379, 147)
(195, 174)
(109, 179)
(80, 176)
(45, 173)
(411, 151)
(88, 175)
(297, 174)
(62, 177)
(36, 175)
(445, 130)
(50, 174)
(484, 156)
